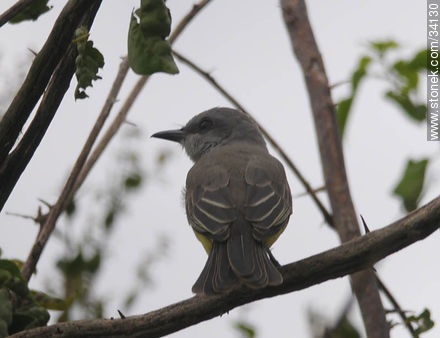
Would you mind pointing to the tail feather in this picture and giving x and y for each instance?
(217, 275)
(239, 260)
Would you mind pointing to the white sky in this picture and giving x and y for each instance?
(246, 47)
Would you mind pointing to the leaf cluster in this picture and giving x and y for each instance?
(19, 310)
(88, 62)
(148, 50)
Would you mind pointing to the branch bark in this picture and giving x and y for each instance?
(306, 50)
(354, 255)
(44, 65)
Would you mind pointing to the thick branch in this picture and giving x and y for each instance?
(39, 74)
(359, 253)
(271, 140)
(306, 50)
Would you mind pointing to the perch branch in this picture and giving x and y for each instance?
(354, 255)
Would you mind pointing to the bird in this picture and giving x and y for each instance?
(237, 199)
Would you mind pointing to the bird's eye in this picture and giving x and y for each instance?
(205, 124)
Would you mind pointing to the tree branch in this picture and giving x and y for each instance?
(39, 74)
(354, 255)
(306, 50)
(14, 10)
(208, 77)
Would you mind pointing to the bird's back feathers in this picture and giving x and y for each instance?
(238, 199)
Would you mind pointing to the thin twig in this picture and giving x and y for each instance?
(360, 253)
(108, 105)
(320, 189)
(330, 146)
(283, 154)
(397, 307)
(14, 10)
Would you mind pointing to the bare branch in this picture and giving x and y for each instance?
(13, 11)
(359, 253)
(270, 139)
(108, 105)
(307, 52)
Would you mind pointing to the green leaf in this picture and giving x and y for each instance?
(419, 61)
(246, 330)
(413, 110)
(344, 106)
(342, 112)
(49, 302)
(110, 218)
(408, 75)
(5, 312)
(70, 208)
(423, 322)
(77, 265)
(88, 62)
(148, 51)
(32, 11)
(11, 267)
(29, 316)
(133, 181)
(360, 72)
(381, 47)
(410, 185)
(344, 329)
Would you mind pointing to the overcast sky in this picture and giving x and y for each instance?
(245, 46)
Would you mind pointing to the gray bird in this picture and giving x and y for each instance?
(237, 199)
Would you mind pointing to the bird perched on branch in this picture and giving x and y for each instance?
(237, 199)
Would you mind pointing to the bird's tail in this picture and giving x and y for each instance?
(239, 260)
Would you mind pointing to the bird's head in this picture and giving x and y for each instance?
(214, 128)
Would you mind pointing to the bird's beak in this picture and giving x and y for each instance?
(176, 135)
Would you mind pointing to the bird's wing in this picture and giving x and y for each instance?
(208, 204)
(268, 199)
